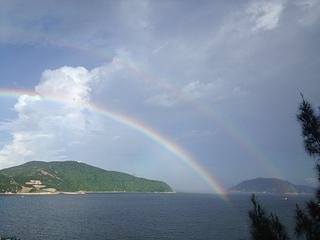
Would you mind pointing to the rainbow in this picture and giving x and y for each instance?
(235, 133)
(152, 134)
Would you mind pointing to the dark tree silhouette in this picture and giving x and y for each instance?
(264, 226)
(308, 219)
(310, 124)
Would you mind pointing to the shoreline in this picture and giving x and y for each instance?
(268, 193)
(76, 193)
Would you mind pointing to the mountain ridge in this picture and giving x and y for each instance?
(72, 176)
(270, 185)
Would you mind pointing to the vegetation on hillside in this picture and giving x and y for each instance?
(71, 176)
(8, 184)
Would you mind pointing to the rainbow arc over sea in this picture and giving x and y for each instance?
(234, 133)
(132, 123)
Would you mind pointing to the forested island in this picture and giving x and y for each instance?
(39, 177)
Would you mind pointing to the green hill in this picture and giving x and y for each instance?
(72, 176)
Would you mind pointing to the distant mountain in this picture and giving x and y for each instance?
(72, 176)
(270, 185)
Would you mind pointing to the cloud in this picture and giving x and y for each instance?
(310, 11)
(49, 130)
(126, 20)
(307, 3)
(190, 92)
(196, 90)
(162, 100)
(135, 14)
(265, 15)
(66, 81)
(206, 53)
(43, 128)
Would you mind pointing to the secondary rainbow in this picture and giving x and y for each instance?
(172, 147)
(233, 132)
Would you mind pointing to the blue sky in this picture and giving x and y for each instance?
(220, 79)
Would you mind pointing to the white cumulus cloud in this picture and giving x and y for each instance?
(45, 128)
(66, 81)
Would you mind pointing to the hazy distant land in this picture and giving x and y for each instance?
(71, 177)
(270, 185)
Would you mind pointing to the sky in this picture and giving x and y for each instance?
(219, 79)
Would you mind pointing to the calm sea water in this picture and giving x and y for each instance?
(134, 216)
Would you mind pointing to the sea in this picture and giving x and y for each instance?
(138, 216)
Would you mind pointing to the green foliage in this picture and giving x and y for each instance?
(308, 219)
(264, 226)
(8, 184)
(8, 238)
(71, 176)
(310, 124)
